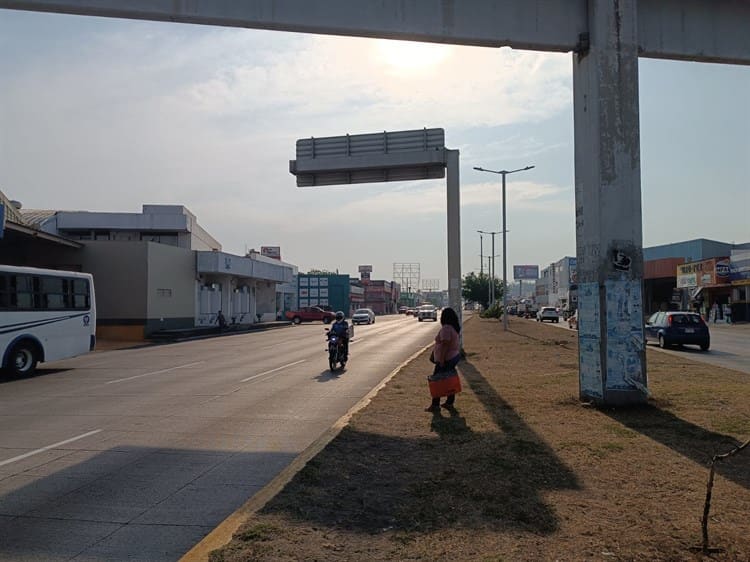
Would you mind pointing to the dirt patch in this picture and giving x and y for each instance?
(522, 470)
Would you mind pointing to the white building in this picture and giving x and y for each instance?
(159, 269)
(557, 283)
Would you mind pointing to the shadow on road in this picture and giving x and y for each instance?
(124, 503)
(6, 377)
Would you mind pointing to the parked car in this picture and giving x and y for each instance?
(402, 309)
(363, 316)
(573, 320)
(548, 313)
(411, 311)
(427, 312)
(677, 328)
(310, 314)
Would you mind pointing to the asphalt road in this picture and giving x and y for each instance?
(730, 347)
(138, 454)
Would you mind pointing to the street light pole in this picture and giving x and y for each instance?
(481, 254)
(505, 266)
(491, 271)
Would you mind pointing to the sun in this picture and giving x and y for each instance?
(411, 56)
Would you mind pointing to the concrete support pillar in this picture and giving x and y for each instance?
(454, 230)
(612, 362)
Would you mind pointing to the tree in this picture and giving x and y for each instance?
(476, 288)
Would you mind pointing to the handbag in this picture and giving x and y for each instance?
(432, 356)
(448, 384)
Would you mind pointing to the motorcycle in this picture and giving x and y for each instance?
(336, 352)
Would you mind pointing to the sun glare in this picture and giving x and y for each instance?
(410, 56)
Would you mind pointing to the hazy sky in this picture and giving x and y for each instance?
(106, 115)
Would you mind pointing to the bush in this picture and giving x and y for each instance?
(495, 311)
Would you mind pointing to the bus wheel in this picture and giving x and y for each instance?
(23, 359)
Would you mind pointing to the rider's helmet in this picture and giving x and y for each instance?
(339, 316)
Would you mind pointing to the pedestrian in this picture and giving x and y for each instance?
(221, 321)
(446, 353)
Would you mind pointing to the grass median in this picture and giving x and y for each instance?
(522, 470)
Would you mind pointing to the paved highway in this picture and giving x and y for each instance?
(137, 454)
(730, 347)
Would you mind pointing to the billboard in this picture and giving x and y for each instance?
(364, 272)
(525, 272)
(271, 252)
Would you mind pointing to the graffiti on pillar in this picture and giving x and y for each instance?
(625, 343)
(589, 341)
(621, 260)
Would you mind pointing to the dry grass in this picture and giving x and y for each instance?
(523, 470)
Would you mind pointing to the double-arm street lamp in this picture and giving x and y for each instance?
(505, 266)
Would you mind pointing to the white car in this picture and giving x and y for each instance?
(363, 316)
(427, 312)
(548, 313)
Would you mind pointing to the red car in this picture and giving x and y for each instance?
(310, 314)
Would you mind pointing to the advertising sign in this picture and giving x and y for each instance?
(271, 252)
(703, 273)
(525, 272)
(365, 269)
(739, 269)
(573, 271)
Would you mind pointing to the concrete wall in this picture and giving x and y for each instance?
(265, 300)
(170, 292)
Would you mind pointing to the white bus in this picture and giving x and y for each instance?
(45, 315)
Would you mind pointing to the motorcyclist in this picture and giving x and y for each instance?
(341, 328)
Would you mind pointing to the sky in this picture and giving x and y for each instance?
(107, 115)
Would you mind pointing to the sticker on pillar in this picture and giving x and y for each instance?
(625, 344)
(621, 260)
(589, 341)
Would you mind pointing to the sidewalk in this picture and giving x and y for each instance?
(520, 471)
(187, 334)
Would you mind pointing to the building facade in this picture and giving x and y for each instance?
(155, 270)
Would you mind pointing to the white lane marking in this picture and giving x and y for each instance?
(154, 373)
(48, 447)
(273, 370)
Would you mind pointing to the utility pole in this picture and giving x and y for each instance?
(492, 269)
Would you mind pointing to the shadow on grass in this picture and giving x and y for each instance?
(690, 440)
(371, 483)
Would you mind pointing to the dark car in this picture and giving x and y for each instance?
(677, 328)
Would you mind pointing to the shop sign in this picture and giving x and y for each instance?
(702, 273)
(271, 252)
(740, 265)
(722, 271)
(573, 271)
(687, 280)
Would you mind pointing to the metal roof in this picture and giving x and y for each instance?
(35, 217)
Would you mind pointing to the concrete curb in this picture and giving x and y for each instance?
(222, 534)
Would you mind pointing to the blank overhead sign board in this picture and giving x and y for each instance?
(369, 158)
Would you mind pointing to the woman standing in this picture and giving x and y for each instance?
(446, 353)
